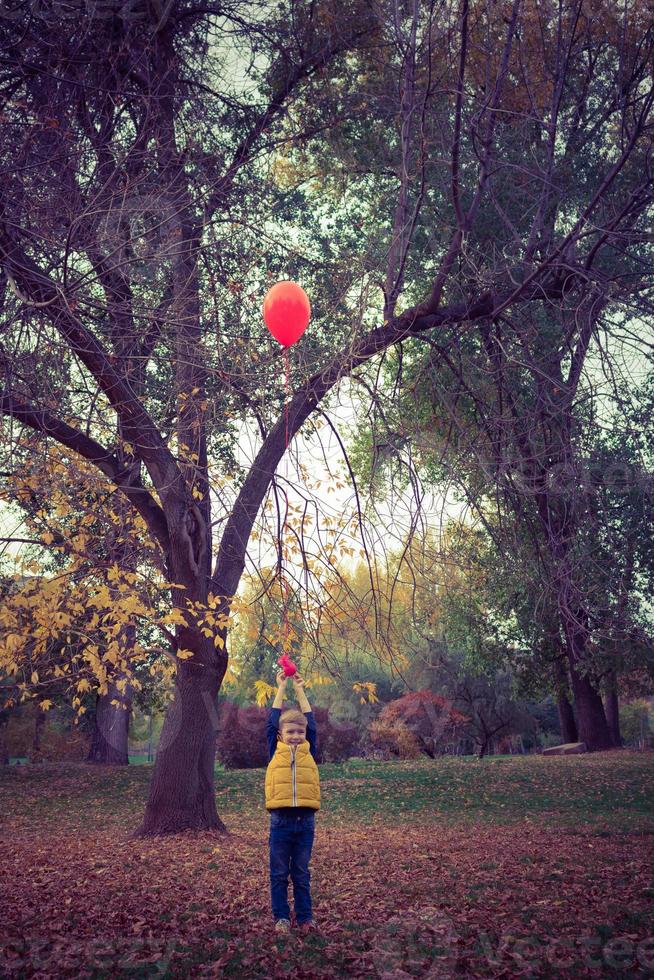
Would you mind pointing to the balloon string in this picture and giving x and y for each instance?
(287, 372)
(284, 583)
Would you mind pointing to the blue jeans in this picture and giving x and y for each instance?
(291, 840)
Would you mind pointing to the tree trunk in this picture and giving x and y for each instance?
(611, 708)
(567, 720)
(591, 720)
(182, 794)
(592, 725)
(109, 744)
(560, 509)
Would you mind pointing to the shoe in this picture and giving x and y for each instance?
(283, 925)
(309, 926)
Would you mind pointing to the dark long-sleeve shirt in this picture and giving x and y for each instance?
(312, 739)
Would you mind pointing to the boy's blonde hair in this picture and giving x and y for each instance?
(292, 717)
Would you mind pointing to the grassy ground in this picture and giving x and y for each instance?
(509, 866)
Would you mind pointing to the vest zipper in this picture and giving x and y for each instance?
(293, 771)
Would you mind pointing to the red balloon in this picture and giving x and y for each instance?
(286, 311)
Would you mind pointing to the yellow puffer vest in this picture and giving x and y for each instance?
(292, 778)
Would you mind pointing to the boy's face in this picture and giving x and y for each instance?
(292, 734)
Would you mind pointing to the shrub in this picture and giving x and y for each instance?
(337, 740)
(636, 721)
(59, 746)
(58, 740)
(430, 718)
(392, 739)
(513, 744)
(18, 732)
(241, 740)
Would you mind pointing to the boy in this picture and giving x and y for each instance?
(292, 798)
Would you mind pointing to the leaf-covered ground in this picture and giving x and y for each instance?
(507, 867)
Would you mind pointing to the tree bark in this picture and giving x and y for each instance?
(182, 795)
(110, 742)
(560, 521)
(591, 720)
(592, 725)
(612, 709)
(567, 720)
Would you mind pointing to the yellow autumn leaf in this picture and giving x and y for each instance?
(175, 617)
(111, 654)
(45, 705)
(13, 643)
(102, 598)
(132, 604)
(319, 679)
(35, 677)
(184, 654)
(263, 692)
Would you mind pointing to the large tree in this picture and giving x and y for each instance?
(160, 167)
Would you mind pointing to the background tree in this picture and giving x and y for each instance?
(638, 718)
(80, 619)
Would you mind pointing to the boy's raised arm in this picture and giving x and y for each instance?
(305, 707)
(301, 696)
(281, 689)
(275, 711)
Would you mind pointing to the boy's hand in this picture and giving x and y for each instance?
(281, 678)
(300, 693)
